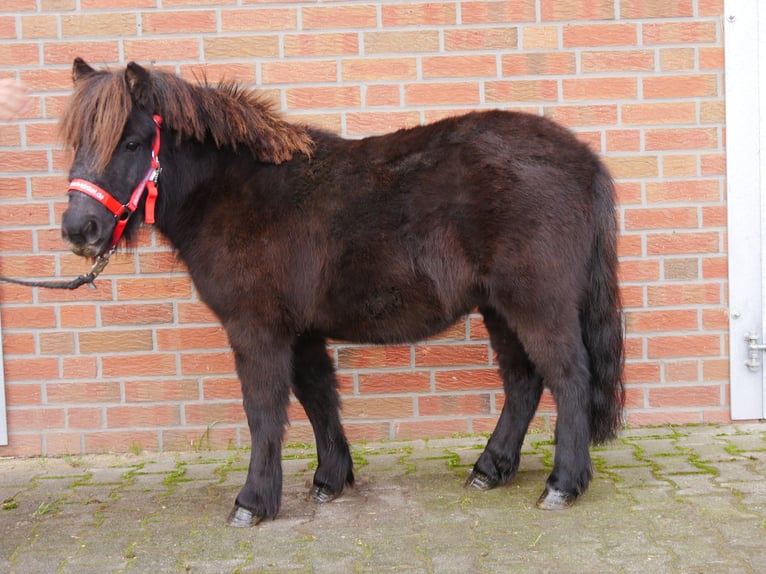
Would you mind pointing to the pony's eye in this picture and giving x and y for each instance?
(132, 145)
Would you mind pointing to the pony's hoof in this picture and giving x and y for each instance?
(242, 518)
(555, 500)
(322, 494)
(480, 481)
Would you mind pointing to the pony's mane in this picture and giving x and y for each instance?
(227, 114)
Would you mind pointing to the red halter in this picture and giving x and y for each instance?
(123, 212)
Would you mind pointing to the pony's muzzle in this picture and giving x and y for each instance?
(84, 234)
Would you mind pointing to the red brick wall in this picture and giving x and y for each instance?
(141, 363)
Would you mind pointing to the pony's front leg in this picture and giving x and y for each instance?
(264, 372)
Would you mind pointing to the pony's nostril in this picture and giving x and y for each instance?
(90, 231)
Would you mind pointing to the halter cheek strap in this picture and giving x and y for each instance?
(123, 211)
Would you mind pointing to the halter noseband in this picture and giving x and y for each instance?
(123, 211)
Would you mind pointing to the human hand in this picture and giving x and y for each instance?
(13, 99)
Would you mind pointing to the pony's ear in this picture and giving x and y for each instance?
(80, 69)
(139, 82)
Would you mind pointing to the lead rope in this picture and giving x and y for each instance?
(86, 279)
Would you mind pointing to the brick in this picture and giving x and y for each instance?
(643, 9)
(329, 17)
(18, 343)
(99, 25)
(19, 54)
(149, 288)
(608, 88)
(453, 405)
(540, 37)
(121, 441)
(378, 407)
(599, 61)
(429, 428)
(681, 139)
(456, 379)
(680, 269)
(662, 320)
(221, 388)
(683, 346)
(639, 271)
(680, 166)
(330, 44)
(179, 22)
(441, 355)
(259, 19)
(165, 390)
(577, 10)
(681, 243)
(683, 294)
(678, 59)
(35, 419)
(61, 343)
(135, 314)
(209, 413)
(106, 341)
(376, 69)
(681, 371)
(23, 394)
(537, 64)
(661, 218)
(630, 245)
(36, 317)
(299, 72)
(498, 12)
(457, 93)
(82, 418)
(638, 166)
(79, 367)
(644, 372)
(142, 416)
(471, 39)
(374, 357)
(321, 97)
(382, 95)
(680, 86)
(370, 123)
(405, 41)
(186, 338)
(597, 35)
(692, 396)
(422, 14)
(628, 140)
(138, 365)
(579, 115)
(31, 369)
(715, 268)
(521, 91)
(79, 392)
(221, 47)
(200, 363)
(683, 191)
(395, 382)
(459, 66)
(146, 50)
(39, 26)
(681, 32)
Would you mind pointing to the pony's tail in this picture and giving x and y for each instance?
(601, 318)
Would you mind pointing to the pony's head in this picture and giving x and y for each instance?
(114, 123)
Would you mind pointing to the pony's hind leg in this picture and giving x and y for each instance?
(560, 358)
(499, 462)
(315, 386)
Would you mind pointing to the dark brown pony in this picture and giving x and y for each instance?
(293, 235)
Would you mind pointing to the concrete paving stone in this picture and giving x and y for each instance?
(408, 511)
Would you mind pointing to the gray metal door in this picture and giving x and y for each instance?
(745, 46)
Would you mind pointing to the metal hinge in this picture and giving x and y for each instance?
(754, 351)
